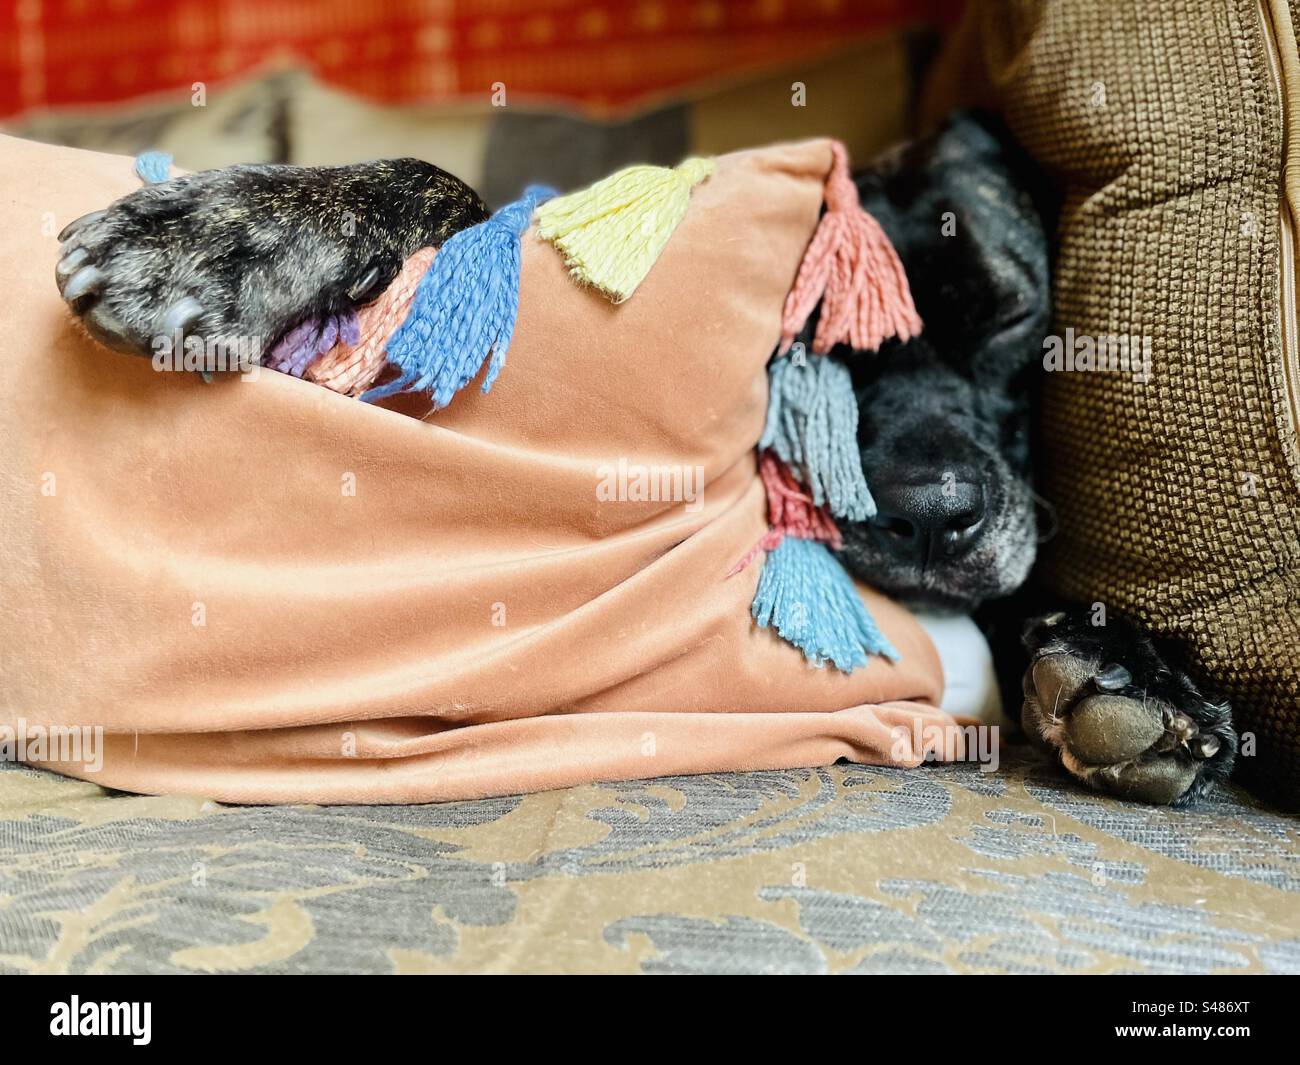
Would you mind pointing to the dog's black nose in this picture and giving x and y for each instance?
(921, 523)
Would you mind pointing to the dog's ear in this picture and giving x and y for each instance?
(966, 210)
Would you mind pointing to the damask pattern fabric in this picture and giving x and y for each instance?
(850, 869)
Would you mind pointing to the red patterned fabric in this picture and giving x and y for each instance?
(601, 55)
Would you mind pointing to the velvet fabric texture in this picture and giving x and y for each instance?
(267, 592)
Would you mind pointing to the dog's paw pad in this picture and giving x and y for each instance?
(1160, 781)
(1101, 729)
(1134, 728)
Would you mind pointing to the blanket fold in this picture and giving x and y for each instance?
(263, 591)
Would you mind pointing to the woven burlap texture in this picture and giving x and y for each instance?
(1176, 497)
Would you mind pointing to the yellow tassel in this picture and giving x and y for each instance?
(612, 233)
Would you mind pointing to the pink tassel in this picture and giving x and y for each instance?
(853, 269)
(790, 512)
(352, 368)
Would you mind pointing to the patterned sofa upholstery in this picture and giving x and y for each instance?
(843, 870)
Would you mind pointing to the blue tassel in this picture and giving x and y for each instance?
(464, 308)
(153, 167)
(804, 593)
(812, 424)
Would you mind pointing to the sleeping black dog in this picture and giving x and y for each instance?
(944, 418)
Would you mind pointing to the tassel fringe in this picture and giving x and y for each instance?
(812, 424)
(790, 512)
(790, 509)
(352, 368)
(464, 309)
(153, 167)
(309, 340)
(853, 271)
(804, 593)
(612, 233)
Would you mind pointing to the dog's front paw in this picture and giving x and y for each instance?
(238, 256)
(1105, 703)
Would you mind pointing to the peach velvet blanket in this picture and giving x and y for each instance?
(266, 592)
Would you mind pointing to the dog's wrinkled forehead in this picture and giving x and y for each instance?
(962, 209)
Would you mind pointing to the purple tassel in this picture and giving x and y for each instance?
(310, 339)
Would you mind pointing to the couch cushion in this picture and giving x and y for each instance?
(1177, 494)
(847, 869)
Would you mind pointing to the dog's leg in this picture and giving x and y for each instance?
(1103, 700)
(245, 253)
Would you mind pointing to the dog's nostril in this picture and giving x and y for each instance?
(892, 525)
(960, 532)
(916, 522)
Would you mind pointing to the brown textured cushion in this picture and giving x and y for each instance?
(1166, 126)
